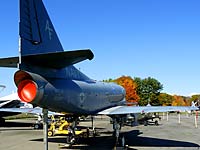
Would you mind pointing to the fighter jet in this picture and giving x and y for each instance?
(48, 79)
(9, 102)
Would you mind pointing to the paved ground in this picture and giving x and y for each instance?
(18, 135)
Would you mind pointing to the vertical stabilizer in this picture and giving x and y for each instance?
(37, 33)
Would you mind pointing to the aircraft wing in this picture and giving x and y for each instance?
(120, 110)
(36, 110)
(9, 103)
(55, 60)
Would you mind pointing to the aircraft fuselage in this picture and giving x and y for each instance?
(81, 97)
(74, 96)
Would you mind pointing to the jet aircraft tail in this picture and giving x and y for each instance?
(37, 33)
(40, 46)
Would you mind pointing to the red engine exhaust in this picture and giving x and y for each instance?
(29, 86)
(27, 90)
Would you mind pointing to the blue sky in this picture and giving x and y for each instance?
(138, 38)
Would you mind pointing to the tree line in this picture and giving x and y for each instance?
(148, 91)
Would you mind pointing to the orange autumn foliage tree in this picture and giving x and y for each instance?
(130, 87)
(178, 101)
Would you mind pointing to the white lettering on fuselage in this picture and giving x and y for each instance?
(73, 73)
(49, 29)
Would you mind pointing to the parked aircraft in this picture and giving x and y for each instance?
(48, 79)
(11, 101)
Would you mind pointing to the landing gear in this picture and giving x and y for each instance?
(71, 137)
(122, 141)
(70, 140)
(119, 138)
(2, 121)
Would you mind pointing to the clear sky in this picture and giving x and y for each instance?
(138, 38)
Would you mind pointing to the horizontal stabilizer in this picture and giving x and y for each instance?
(55, 60)
(10, 62)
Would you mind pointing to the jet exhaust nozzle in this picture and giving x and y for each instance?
(27, 90)
(29, 86)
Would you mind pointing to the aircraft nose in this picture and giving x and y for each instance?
(120, 91)
(123, 91)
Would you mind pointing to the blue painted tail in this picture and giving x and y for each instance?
(41, 50)
(37, 33)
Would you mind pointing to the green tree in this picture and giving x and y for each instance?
(195, 98)
(108, 80)
(165, 99)
(148, 90)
